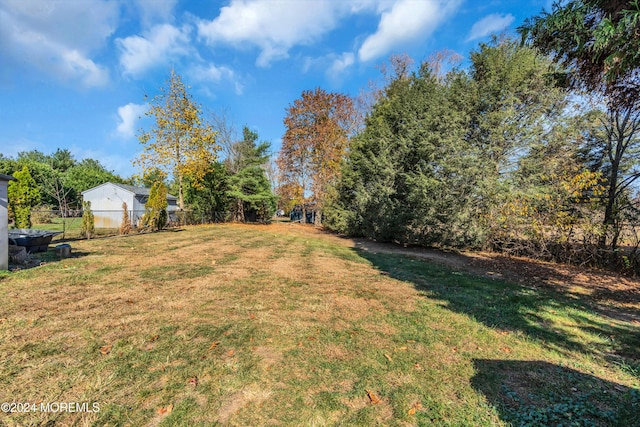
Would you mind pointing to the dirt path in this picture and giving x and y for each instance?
(618, 296)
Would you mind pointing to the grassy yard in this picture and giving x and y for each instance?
(71, 228)
(284, 325)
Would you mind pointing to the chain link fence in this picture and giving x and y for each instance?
(108, 222)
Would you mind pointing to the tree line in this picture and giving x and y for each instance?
(51, 181)
(532, 150)
(180, 155)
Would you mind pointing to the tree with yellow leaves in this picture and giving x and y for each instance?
(180, 142)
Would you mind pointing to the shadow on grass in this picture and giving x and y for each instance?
(37, 259)
(557, 321)
(537, 393)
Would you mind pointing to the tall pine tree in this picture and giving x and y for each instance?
(249, 188)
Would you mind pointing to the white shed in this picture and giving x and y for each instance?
(4, 221)
(106, 203)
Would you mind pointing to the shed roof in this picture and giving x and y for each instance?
(138, 191)
(4, 177)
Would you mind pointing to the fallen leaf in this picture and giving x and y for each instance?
(415, 408)
(213, 345)
(372, 397)
(252, 316)
(388, 357)
(193, 381)
(166, 410)
(105, 349)
(230, 352)
(417, 366)
(505, 349)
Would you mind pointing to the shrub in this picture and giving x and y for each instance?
(88, 227)
(125, 227)
(44, 215)
(156, 207)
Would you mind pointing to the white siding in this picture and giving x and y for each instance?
(106, 204)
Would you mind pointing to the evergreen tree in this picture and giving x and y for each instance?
(156, 207)
(23, 196)
(404, 179)
(210, 203)
(249, 188)
(88, 223)
(125, 226)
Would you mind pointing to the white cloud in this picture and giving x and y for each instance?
(159, 45)
(129, 115)
(277, 26)
(57, 38)
(153, 11)
(340, 64)
(490, 24)
(406, 21)
(211, 73)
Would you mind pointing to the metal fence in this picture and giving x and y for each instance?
(108, 222)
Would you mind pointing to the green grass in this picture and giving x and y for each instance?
(283, 325)
(70, 228)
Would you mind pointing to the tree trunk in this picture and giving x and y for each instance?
(239, 210)
(180, 195)
(609, 212)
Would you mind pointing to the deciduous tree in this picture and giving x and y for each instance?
(318, 126)
(180, 142)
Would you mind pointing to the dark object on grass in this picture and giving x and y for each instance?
(17, 255)
(63, 251)
(32, 240)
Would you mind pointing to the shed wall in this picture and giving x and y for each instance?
(106, 204)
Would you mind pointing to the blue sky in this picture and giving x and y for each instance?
(74, 73)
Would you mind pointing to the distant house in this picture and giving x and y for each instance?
(106, 203)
